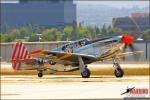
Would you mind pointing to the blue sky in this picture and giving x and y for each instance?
(117, 4)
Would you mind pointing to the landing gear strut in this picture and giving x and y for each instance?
(85, 72)
(40, 74)
(118, 70)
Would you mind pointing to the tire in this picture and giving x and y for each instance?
(40, 74)
(86, 73)
(119, 73)
(51, 62)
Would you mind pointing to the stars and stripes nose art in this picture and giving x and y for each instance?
(20, 53)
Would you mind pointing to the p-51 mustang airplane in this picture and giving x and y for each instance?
(77, 54)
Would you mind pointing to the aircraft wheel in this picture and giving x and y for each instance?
(86, 73)
(40, 74)
(52, 63)
(119, 72)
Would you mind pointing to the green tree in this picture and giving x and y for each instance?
(33, 38)
(103, 30)
(117, 31)
(110, 30)
(51, 35)
(15, 34)
(91, 31)
(67, 33)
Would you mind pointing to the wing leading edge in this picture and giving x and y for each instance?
(62, 57)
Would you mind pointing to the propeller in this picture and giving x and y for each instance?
(128, 41)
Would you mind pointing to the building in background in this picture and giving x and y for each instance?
(49, 13)
(136, 23)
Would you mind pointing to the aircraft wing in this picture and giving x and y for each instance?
(129, 53)
(121, 55)
(62, 57)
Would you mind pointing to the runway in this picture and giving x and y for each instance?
(68, 86)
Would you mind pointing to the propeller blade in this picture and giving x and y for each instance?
(134, 49)
(124, 50)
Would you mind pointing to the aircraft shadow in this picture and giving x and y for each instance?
(57, 77)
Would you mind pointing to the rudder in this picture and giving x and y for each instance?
(20, 53)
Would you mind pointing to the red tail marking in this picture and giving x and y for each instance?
(20, 46)
(21, 56)
(14, 52)
(14, 65)
(29, 56)
(18, 65)
(22, 52)
(26, 53)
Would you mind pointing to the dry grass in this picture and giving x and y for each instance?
(127, 71)
(96, 71)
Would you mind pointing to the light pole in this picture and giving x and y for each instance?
(27, 38)
(39, 35)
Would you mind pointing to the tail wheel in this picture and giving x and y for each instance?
(40, 74)
(119, 72)
(86, 73)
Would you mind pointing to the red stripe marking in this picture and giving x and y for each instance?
(18, 65)
(22, 52)
(29, 56)
(14, 65)
(21, 57)
(14, 52)
(36, 52)
(26, 53)
(20, 46)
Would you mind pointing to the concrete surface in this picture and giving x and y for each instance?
(68, 86)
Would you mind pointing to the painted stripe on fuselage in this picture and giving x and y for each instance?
(108, 55)
(65, 56)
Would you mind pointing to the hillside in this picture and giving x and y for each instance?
(97, 15)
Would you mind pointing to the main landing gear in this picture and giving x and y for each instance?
(85, 72)
(118, 70)
(40, 74)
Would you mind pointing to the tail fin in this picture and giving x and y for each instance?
(20, 52)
